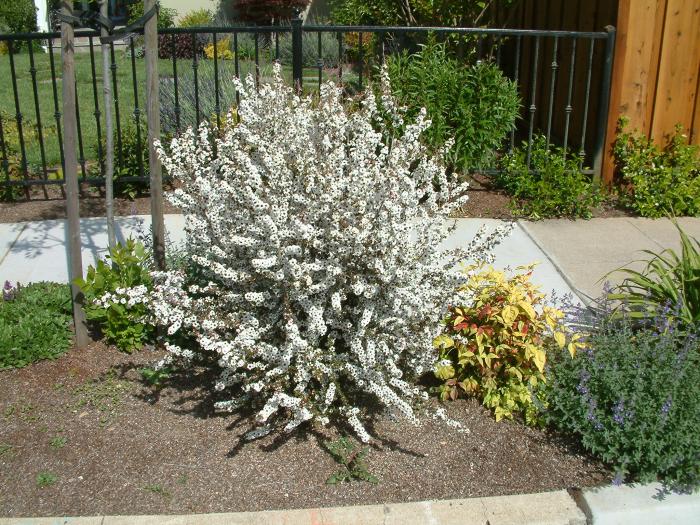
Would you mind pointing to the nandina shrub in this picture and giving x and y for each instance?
(494, 345)
(314, 239)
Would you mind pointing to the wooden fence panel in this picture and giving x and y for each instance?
(678, 68)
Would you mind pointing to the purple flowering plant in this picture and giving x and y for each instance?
(632, 395)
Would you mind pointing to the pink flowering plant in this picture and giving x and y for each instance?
(314, 234)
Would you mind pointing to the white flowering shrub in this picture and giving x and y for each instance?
(318, 240)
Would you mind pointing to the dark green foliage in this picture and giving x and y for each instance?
(633, 397)
(352, 461)
(18, 16)
(553, 186)
(166, 15)
(474, 104)
(34, 323)
(454, 13)
(125, 267)
(658, 180)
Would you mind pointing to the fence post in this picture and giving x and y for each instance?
(297, 67)
(604, 104)
(150, 33)
(109, 132)
(70, 173)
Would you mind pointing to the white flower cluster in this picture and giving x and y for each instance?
(318, 237)
(127, 297)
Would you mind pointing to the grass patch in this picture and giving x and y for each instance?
(125, 96)
(58, 442)
(45, 479)
(34, 324)
(159, 490)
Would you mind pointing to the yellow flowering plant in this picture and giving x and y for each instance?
(496, 347)
(223, 50)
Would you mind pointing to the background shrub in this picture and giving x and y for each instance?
(109, 299)
(658, 180)
(553, 186)
(475, 104)
(633, 398)
(18, 16)
(34, 323)
(495, 345)
(196, 18)
(166, 15)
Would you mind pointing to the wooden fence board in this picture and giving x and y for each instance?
(678, 68)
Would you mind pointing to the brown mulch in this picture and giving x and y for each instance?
(130, 449)
(52, 205)
(485, 201)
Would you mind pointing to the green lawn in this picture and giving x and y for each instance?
(86, 100)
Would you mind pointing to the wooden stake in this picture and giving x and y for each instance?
(109, 133)
(150, 33)
(70, 132)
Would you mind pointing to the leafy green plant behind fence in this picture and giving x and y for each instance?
(550, 185)
(473, 103)
(658, 180)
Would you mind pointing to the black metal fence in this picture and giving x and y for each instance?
(563, 79)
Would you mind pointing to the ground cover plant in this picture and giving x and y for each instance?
(473, 104)
(658, 180)
(633, 397)
(495, 343)
(546, 181)
(34, 323)
(315, 234)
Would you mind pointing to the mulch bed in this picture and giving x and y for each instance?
(130, 449)
(53, 206)
(485, 201)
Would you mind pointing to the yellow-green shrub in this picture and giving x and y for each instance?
(495, 347)
(223, 50)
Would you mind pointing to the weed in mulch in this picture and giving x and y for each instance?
(352, 461)
(6, 450)
(155, 377)
(105, 395)
(159, 490)
(58, 442)
(45, 479)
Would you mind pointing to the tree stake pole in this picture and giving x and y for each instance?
(150, 33)
(70, 132)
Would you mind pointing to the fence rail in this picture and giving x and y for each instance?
(563, 78)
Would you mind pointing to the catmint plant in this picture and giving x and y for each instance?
(314, 233)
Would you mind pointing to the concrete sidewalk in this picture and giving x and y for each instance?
(624, 505)
(585, 251)
(35, 251)
(573, 255)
